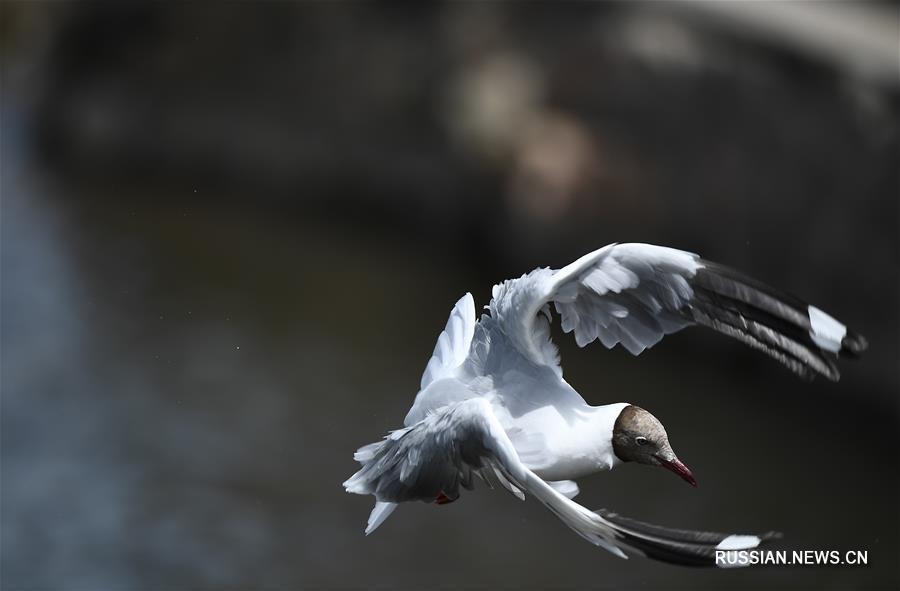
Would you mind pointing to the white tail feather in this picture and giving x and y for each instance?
(379, 513)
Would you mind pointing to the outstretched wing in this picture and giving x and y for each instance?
(430, 460)
(634, 294)
(450, 352)
(682, 546)
(453, 343)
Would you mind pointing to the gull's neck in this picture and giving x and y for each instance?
(576, 449)
(599, 439)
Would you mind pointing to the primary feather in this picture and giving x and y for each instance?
(493, 402)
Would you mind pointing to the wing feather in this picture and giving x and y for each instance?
(635, 294)
(453, 343)
(440, 453)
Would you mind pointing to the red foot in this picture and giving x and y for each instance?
(443, 499)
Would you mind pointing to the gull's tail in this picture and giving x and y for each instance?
(360, 484)
(380, 512)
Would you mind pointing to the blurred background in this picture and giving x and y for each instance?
(231, 235)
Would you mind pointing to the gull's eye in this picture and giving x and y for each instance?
(641, 440)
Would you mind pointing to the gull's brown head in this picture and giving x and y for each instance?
(639, 437)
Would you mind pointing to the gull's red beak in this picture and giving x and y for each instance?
(678, 467)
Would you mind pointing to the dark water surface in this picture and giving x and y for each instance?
(189, 362)
(183, 389)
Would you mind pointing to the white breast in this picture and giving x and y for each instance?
(563, 448)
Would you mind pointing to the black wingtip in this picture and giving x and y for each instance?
(777, 323)
(853, 345)
(675, 546)
(770, 535)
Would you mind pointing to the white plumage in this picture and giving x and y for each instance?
(452, 346)
(493, 403)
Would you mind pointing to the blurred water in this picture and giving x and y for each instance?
(188, 365)
(183, 389)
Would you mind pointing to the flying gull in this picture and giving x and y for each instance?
(493, 403)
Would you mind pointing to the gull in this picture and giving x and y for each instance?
(493, 403)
